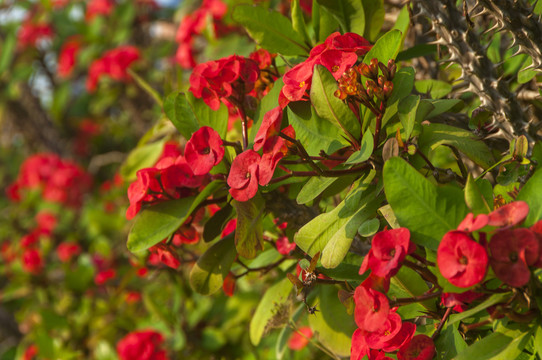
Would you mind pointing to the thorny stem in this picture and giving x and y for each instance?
(303, 152)
(325, 173)
(425, 273)
(263, 269)
(462, 168)
(441, 324)
(235, 145)
(378, 124)
(422, 259)
(406, 301)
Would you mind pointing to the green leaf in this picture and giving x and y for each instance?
(332, 324)
(270, 29)
(406, 284)
(403, 83)
(324, 22)
(178, 110)
(314, 187)
(390, 217)
(329, 106)
(386, 48)
(315, 235)
(365, 152)
(298, 21)
(374, 18)
(159, 221)
(284, 336)
(369, 227)
(338, 245)
(8, 51)
(504, 345)
(207, 276)
(427, 211)
(407, 113)
(538, 340)
(249, 231)
(434, 135)
(271, 307)
(349, 13)
(531, 194)
(205, 116)
(441, 106)
(214, 226)
(525, 75)
(314, 132)
(474, 198)
(492, 300)
(449, 343)
(141, 157)
(435, 88)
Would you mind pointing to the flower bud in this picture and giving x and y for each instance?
(365, 70)
(388, 89)
(340, 94)
(385, 71)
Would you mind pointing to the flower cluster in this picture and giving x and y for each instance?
(230, 79)
(249, 169)
(508, 249)
(61, 181)
(67, 55)
(114, 63)
(98, 8)
(142, 345)
(381, 329)
(175, 175)
(194, 24)
(31, 32)
(337, 53)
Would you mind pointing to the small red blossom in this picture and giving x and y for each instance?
(372, 308)
(243, 176)
(229, 284)
(388, 250)
(30, 239)
(67, 250)
(166, 255)
(46, 222)
(114, 64)
(229, 228)
(471, 223)
(300, 338)
(204, 150)
(459, 301)
(32, 32)
(104, 276)
(509, 214)
(187, 234)
(270, 127)
(284, 246)
(142, 345)
(233, 76)
(461, 260)
(32, 261)
(97, 8)
(421, 347)
(30, 352)
(66, 57)
(132, 297)
(512, 251)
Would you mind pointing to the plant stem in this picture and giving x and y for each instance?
(146, 87)
(441, 324)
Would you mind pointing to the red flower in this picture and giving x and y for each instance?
(512, 251)
(114, 63)
(233, 76)
(270, 127)
(263, 58)
(421, 347)
(104, 276)
(386, 331)
(284, 246)
(46, 222)
(31, 33)
(461, 260)
(187, 234)
(537, 231)
(132, 297)
(509, 214)
(388, 250)
(229, 228)
(471, 223)
(98, 7)
(243, 176)
(166, 255)
(66, 58)
(300, 338)
(459, 301)
(30, 352)
(229, 284)
(141, 345)
(372, 308)
(32, 261)
(66, 250)
(204, 150)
